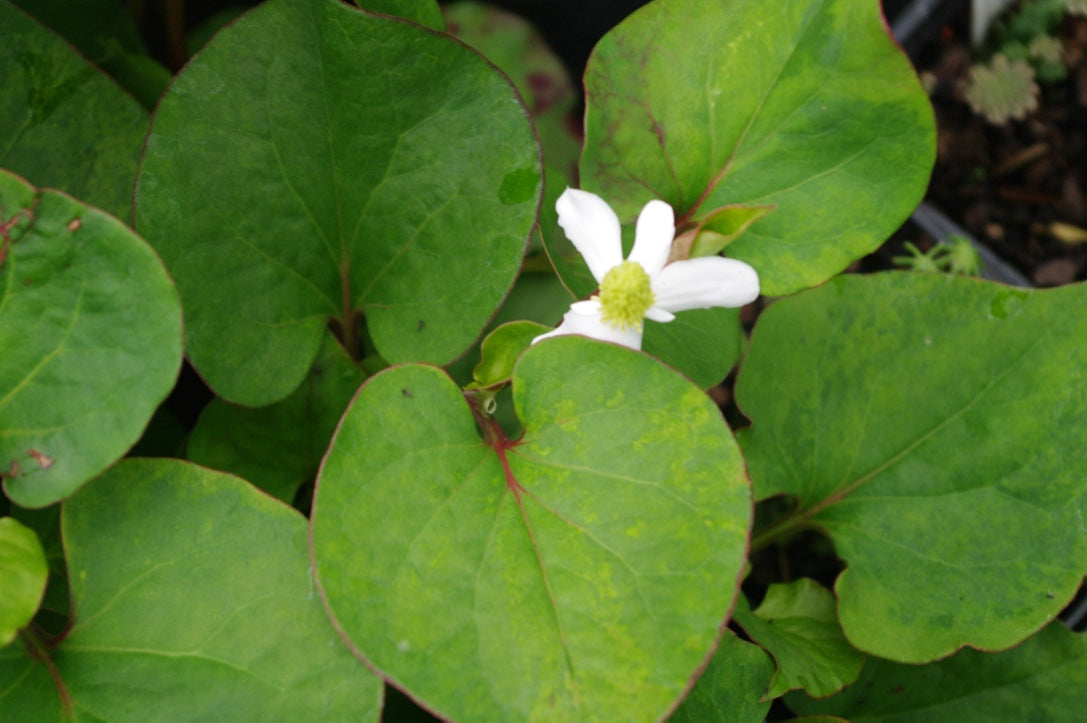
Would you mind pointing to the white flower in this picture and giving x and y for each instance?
(642, 287)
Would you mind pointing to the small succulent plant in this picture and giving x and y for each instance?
(1003, 90)
(955, 255)
(1025, 51)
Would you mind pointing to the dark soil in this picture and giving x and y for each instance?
(1007, 185)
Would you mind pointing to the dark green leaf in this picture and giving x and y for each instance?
(1041, 680)
(103, 31)
(315, 161)
(701, 343)
(279, 447)
(512, 44)
(568, 263)
(424, 12)
(64, 124)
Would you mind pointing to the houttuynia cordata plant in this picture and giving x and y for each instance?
(362, 227)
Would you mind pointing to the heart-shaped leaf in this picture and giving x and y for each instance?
(315, 161)
(23, 574)
(797, 624)
(810, 106)
(1041, 679)
(63, 123)
(279, 447)
(90, 328)
(557, 576)
(192, 600)
(933, 427)
(730, 688)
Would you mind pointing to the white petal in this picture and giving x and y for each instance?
(593, 228)
(658, 314)
(653, 237)
(588, 307)
(594, 327)
(705, 282)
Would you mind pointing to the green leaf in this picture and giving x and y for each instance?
(811, 107)
(558, 576)
(932, 426)
(1042, 679)
(55, 604)
(500, 350)
(424, 12)
(279, 447)
(103, 31)
(90, 325)
(23, 574)
(535, 297)
(569, 265)
(797, 624)
(192, 601)
(701, 343)
(64, 124)
(315, 161)
(199, 35)
(718, 229)
(511, 43)
(729, 689)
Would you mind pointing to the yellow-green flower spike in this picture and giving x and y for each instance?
(625, 295)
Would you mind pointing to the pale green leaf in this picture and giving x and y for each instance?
(798, 625)
(581, 571)
(933, 427)
(90, 328)
(23, 574)
(192, 600)
(807, 106)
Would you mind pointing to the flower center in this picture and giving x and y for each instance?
(625, 295)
